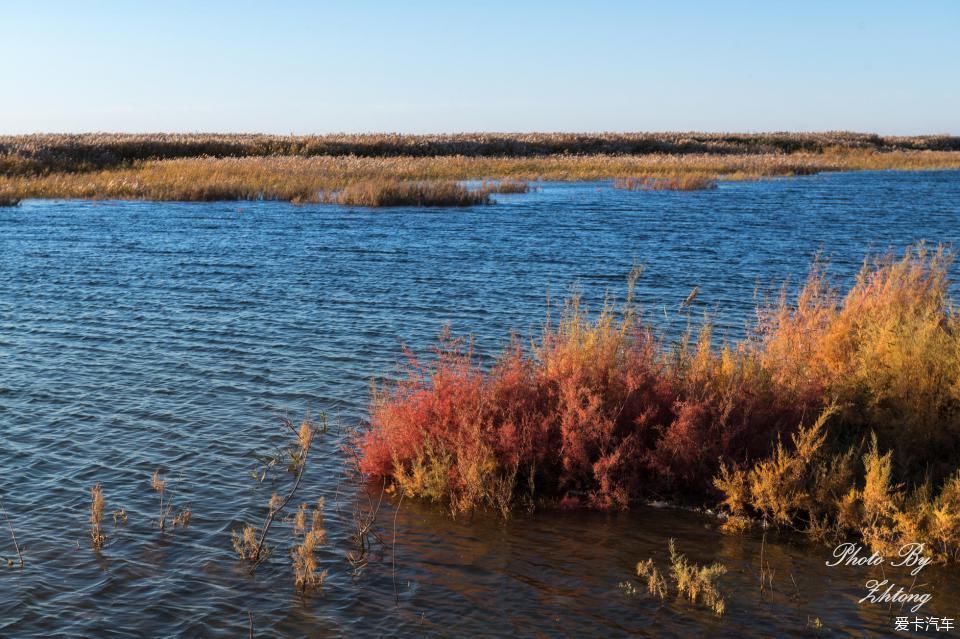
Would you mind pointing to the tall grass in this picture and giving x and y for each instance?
(309, 179)
(599, 412)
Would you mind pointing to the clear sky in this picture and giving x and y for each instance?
(354, 66)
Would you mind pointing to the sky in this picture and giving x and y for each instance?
(432, 67)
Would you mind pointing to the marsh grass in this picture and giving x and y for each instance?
(321, 178)
(698, 584)
(505, 186)
(686, 182)
(378, 193)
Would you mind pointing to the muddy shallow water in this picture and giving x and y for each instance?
(142, 335)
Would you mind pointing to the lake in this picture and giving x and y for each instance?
(137, 335)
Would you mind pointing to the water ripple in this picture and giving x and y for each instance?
(138, 336)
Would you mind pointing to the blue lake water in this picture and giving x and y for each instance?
(137, 336)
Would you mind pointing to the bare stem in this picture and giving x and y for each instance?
(12, 534)
(272, 514)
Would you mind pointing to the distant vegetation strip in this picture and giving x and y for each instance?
(32, 154)
(324, 178)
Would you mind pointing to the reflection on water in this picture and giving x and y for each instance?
(143, 335)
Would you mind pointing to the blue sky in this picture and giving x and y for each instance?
(315, 67)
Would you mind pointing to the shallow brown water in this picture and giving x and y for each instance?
(139, 335)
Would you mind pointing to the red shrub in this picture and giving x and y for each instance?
(595, 413)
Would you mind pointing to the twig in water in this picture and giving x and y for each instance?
(365, 522)
(12, 534)
(393, 553)
(251, 544)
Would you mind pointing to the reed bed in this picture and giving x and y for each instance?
(600, 412)
(312, 179)
(505, 186)
(376, 193)
(686, 182)
(42, 153)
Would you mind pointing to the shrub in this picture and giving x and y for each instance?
(595, 413)
(599, 412)
(888, 352)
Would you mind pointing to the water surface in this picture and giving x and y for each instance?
(137, 336)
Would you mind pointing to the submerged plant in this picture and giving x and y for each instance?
(97, 536)
(308, 529)
(13, 535)
(182, 519)
(656, 583)
(159, 485)
(696, 583)
(250, 543)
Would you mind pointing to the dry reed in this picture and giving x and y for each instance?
(97, 536)
(308, 528)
